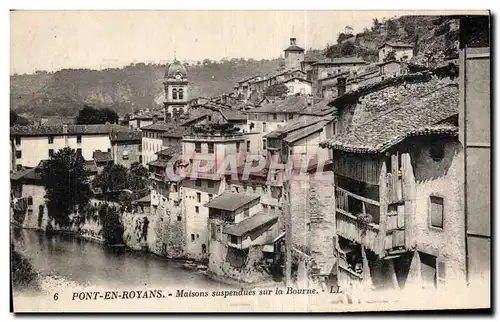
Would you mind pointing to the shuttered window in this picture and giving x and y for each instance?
(436, 212)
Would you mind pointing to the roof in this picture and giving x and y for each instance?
(193, 118)
(247, 79)
(340, 61)
(305, 132)
(334, 75)
(125, 136)
(294, 78)
(420, 116)
(396, 44)
(90, 166)
(145, 199)
(158, 163)
(172, 150)
(294, 126)
(233, 115)
(294, 48)
(250, 224)
(287, 105)
(176, 132)
(159, 126)
(27, 174)
(100, 156)
(149, 116)
(176, 68)
(73, 129)
(232, 201)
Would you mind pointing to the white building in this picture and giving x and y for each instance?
(33, 144)
(298, 86)
(403, 52)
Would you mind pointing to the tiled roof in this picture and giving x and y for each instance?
(149, 116)
(294, 78)
(419, 116)
(177, 132)
(126, 136)
(100, 156)
(158, 126)
(305, 132)
(294, 48)
(396, 44)
(172, 150)
(250, 224)
(193, 118)
(25, 174)
(290, 127)
(233, 115)
(73, 129)
(247, 79)
(90, 166)
(334, 76)
(158, 163)
(340, 61)
(288, 105)
(231, 201)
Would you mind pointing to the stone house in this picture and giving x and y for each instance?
(403, 52)
(126, 148)
(397, 193)
(324, 68)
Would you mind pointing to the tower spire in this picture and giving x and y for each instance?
(175, 55)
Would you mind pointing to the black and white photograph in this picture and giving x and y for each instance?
(249, 161)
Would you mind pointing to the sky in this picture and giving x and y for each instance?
(53, 40)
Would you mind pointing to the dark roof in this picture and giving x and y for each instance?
(294, 78)
(340, 61)
(294, 126)
(233, 115)
(334, 76)
(90, 166)
(177, 132)
(247, 79)
(231, 201)
(125, 136)
(158, 163)
(396, 44)
(250, 224)
(287, 105)
(419, 116)
(25, 174)
(294, 48)
(172, 150)
(100, 156)
(193, 118)
(73, 129)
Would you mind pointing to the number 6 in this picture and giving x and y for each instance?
(56, 296)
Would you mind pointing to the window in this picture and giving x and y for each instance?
(140, 159)
(197, 209)
(198, 182)
(109, 149)
(264, 144)
(30, 212)
(204, 248)
(436, 211)
(264, 206)
(192, 237)
(273, 208)
(78, 139)
(30, 201)
(125, 155)
(197, 236)
(210, 184)
(51, 139)
(51, 153)
(174, 93)
(181, 94)
(213, 231)
(18, 155)
(176, 203)
(246, 213)
(237, 147)
(264, 127)
(248, 146)
(234, 239)
(436, 150)
(441, 272)
(210, 148)
(209, 118)
(275, 116)
(198, 196)
(197, 147)
(290, 116)
(79, 151)
(18, 140)
(179, 218)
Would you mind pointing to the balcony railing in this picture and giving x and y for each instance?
(212, 138)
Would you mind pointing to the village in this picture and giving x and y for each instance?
(350, 177)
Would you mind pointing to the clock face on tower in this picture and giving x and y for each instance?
(178, 76)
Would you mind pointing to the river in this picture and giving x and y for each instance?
(89, 263)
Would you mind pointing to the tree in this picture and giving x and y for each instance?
(392, 27)
(66, 184)
(13, 117)
(112, 228)
(347, 49)
(276, 90)
(376, 24)
(112, 178)
(91, 115)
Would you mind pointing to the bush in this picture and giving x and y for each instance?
(112, 227)
(24, 276)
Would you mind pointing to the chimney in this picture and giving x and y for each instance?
(293, 41)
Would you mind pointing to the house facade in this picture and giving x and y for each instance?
(402, 52)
